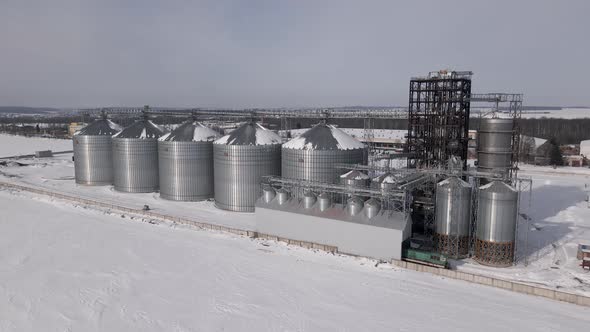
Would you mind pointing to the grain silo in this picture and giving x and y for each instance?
(496, 224)
(186, 162)
(135, 157)
(312, 155)
(385, 182)
(494, 145)
(355, 179)
(93, 153)
(240, 160)
(453, 217)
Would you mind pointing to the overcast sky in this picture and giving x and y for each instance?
(86, 53)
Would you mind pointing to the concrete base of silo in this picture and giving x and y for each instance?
(380, 237)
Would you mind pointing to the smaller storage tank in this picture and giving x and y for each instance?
(186, 162)
(135, 157)
(453, 217)
(240, 160)
(496, 224)
(354, 206)
(494, 145)
(309, 199)
(282, 196)
(324, 201)
(355, 179)
(93, 152)
(385, 182)
(268, 193)
(372, 207)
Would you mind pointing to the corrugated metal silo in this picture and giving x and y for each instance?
(355, 179)
(494, 145)
(240, 160)
(312, 155)
(496, 224)
(93, 153)
(453, 217)
(135, 157)
(186, 162)
(385, 182)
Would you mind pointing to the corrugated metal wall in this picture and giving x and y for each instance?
(93, 160)
(186, 170)
(318, 165)
(135, 165)
(238, 170)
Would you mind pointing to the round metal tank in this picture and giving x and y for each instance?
(282, 196)
(324, 201)
(268, 193)
(186, 162)
(240, 160)
(372, 207)
(496, 224)
(355, 179)
(453, 216)
(309, 200)
(494, 144)
(354, 206)
(93, 152)
(135, 157)
(385, 182)
(312, 155)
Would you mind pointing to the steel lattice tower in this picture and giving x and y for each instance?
(438, 115)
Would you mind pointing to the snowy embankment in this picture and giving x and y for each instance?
(559, 220)
(12, 145)
(68, 268)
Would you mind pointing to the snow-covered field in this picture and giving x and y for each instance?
(69, 268)
(64, 268)
(559, 221)
(12, 145)
(561, 113)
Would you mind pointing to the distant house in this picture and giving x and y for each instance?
(529, 149)
(585, 149)
(541, 156)
(573, 160)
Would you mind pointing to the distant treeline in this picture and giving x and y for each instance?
(565, 131)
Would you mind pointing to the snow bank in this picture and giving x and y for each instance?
(345, 141)
(265, 136)
(11, 145)
(57, 274)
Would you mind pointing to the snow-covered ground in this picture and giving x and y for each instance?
(64, 268)
(559, 113)
(559, 221)
(11, 145)
(67, 268)
(564, 113)
(395, 135)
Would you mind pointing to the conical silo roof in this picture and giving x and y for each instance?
(354, 175)
(142, 129)
(453, 182)
(385, 178)
(324, 137)
(497, 187)
(100, 127)
(250, 133)
(191, 131)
